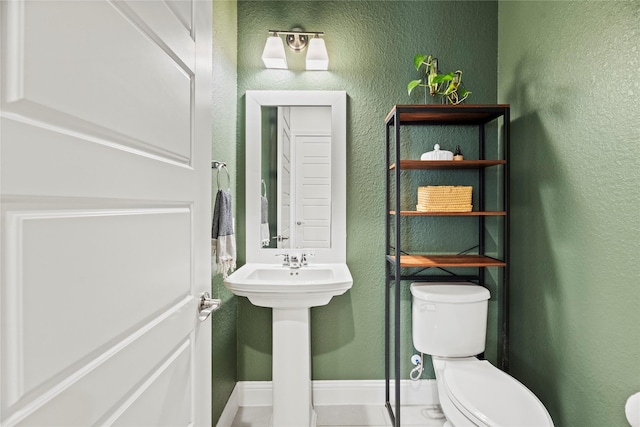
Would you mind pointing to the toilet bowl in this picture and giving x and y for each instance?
(473, 392)
(449, 323)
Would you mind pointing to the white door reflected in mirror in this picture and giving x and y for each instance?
(296, 149)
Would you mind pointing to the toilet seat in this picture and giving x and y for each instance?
(490, 397)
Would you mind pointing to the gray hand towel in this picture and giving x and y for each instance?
(223, 241)
(264, 221)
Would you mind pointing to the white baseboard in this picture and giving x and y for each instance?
(333, 392)
(230, 409)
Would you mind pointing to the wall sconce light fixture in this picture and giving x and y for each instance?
(274, 56)
(317, 57)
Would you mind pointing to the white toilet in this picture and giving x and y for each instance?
(449, 323)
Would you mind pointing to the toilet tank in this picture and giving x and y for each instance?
(449, 319)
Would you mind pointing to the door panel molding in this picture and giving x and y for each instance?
(136, 101)
(177, 365)
(54, 397)
(21, 227)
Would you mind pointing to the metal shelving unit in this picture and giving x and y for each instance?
(398, 263)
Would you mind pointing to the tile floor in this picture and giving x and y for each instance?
(347, 415)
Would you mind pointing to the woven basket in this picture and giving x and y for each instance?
(443, 198)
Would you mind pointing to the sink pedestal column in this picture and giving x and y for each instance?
(292, 405)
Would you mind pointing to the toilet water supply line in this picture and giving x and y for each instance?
(417, 371)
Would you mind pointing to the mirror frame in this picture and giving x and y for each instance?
(337, 100)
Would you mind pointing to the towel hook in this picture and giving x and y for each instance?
(219, 166)
(264, 187)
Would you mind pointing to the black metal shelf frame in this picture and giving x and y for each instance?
(411, 115)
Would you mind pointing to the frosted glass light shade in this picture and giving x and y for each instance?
(273, 54)
(317, 57)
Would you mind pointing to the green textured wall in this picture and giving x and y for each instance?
(224, 95)
(571, 72)
(371, 46)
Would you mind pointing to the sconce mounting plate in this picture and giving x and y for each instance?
(297, 40)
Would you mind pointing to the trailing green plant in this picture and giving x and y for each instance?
(449, 86)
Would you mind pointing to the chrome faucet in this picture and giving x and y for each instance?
(295, 260)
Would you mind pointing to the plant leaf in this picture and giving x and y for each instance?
(441, 78)
(412, 85)
(418, 60)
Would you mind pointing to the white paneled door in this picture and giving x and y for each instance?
(105, 192)
(313, 192)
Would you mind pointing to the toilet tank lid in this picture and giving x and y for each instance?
(452, 292)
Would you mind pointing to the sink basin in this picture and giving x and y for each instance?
(276, 286)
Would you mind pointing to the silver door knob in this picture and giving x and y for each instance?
(207, 305)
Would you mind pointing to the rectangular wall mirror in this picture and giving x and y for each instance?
(296, 174)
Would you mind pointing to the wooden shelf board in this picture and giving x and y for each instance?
(447, 261)
(447, 164)
(472, 213)
(448, 114)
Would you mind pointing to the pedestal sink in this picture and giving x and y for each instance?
(291, 293)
